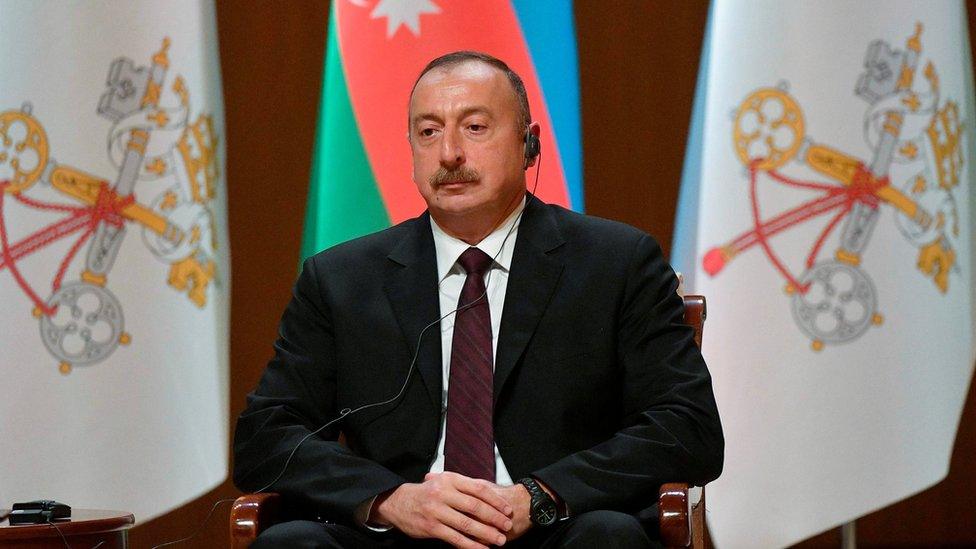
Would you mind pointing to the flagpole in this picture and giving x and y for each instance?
(848, 536)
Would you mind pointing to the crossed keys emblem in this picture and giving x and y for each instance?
(81, 321)
(915, 165)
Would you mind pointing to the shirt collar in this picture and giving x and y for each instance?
(449, 248)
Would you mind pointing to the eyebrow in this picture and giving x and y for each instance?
(476, 109)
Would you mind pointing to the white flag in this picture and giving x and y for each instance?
(826, 214)
(114, 280)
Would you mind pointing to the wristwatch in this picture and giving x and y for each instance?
(542, 508)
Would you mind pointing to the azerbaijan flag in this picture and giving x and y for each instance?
(361, 177)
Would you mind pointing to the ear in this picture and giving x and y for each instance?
(536, 130)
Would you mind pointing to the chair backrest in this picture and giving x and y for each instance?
(681, 508)
(695, 315)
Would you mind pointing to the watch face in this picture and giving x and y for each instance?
(544, 512)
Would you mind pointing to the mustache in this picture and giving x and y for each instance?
(461, 173)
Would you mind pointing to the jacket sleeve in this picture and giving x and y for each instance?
(670, 430)
(296, 397)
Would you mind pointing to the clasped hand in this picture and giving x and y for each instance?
(465, 512)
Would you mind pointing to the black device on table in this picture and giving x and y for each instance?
(39, 512)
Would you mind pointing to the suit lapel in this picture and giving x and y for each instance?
(412, 291)
(533, 276)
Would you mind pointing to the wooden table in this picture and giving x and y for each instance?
(87, 528)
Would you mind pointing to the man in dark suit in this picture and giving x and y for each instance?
(563, 388)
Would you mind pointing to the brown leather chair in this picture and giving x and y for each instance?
(681, 509)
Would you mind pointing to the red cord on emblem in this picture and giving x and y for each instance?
(108, 208)
(863, 188)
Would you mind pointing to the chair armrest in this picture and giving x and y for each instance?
(681, 515)
(699, 530)
(250, 515)
(673, 515)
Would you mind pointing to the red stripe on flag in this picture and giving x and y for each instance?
(381, 69)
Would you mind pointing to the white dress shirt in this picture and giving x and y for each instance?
(450, 278)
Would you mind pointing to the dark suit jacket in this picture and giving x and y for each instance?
(599, 389)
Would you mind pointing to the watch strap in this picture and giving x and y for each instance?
(533, 487)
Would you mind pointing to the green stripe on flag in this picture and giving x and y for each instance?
(343, 200)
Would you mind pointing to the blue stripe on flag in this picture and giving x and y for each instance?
(684, 251)
(550, 33)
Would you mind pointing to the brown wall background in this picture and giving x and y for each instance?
(638, 65)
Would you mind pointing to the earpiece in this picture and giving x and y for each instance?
(532, 146)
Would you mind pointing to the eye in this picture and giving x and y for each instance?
(477, 128)
(427, 132)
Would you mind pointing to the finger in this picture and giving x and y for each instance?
(470, 527)
(455, 538)
(481, 511)
(483, 490)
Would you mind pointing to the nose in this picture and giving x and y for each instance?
(452, 152)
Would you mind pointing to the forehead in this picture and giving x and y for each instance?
(462, 86)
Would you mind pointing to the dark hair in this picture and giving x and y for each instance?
(452, 59)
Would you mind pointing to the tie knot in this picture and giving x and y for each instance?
(474, 261)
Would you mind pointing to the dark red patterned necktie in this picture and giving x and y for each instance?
(469, 446)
